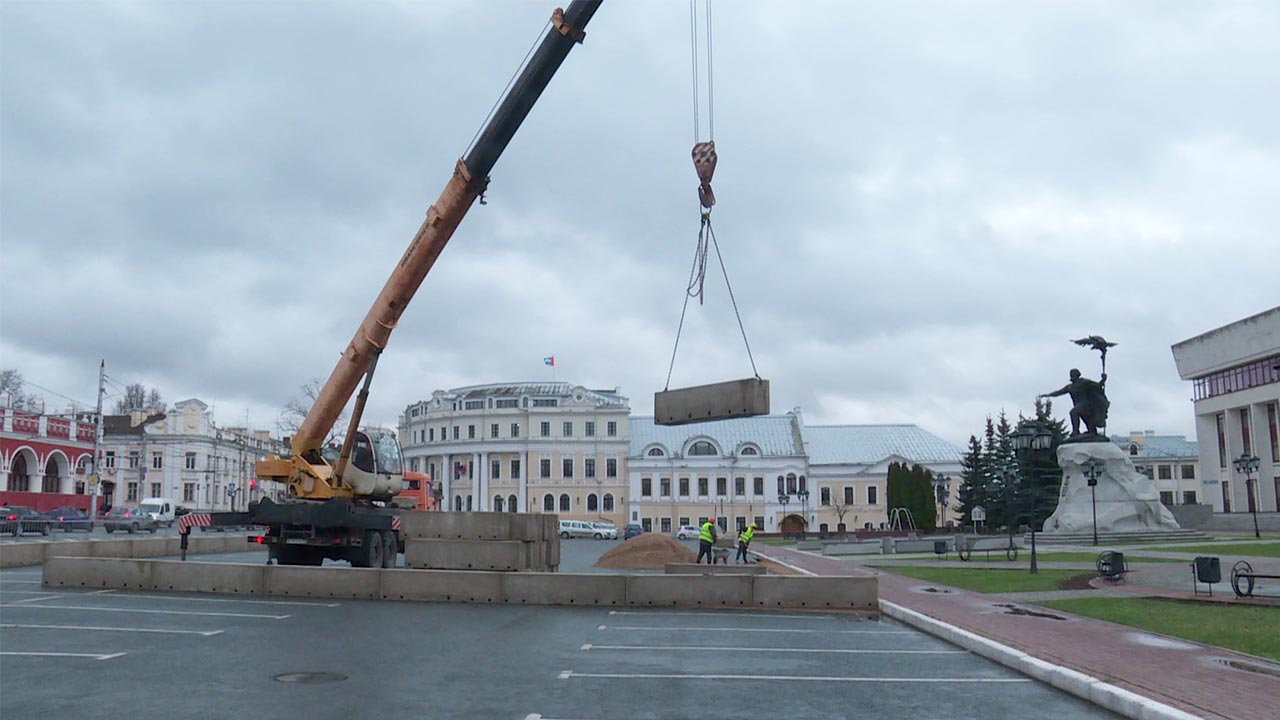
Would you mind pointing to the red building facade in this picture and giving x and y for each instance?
(45, 460)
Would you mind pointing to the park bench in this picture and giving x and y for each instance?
(1243, 579)
(1112, 566)
(966, 548)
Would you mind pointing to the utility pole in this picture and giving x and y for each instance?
(95, 480)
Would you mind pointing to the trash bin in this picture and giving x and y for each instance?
(1208, 570)
(940, 547)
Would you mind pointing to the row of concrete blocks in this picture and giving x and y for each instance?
(500, 555)
(37, 553)
(687, 591)
(527, 527)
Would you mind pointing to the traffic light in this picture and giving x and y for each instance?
(253, 484)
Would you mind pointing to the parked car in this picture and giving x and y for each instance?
(576, 528)
(130, 520)
(70, 519)
(605, 531)
(18, 519)
(632, 530)
(161, 510)
(688, 532)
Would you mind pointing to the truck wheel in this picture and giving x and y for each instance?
(370, 554)
(109, 530)
(133, 528)
(390, 549)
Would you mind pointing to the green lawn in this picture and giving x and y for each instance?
(988, 581)
(1089, 557)
(1266, 549)
(1253, 630)
(774, 541)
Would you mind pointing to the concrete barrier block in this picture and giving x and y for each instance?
(111, 548)
(853, 548)
(442, 586)
(172, 546)
(690, 590)
(432, 554)
(926, 545)
(78, 548)
(190, 576)
(845, 592)
(553, 550)
(325, 582)
(150, 547)
(97, 573)
(21, 554)
(528, 527)
(564, 589)
(696, 569)
(456, 525)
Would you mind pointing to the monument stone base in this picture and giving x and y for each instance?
(1127, 501)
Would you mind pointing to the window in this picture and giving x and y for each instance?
(1166, 497)
(722, 486)
(544, 429)
(824, 496)
(848, 495)
(702, 486)
(740, 486)
(189, 461)
(1188, 497)
(591, 503)
(611, 467)
(873, 494)
(1188, 472)
(515, 469)
(1275, 433)
(189, 492)
(591, 429)
(1222, 440)
(157, 461)
(782, 485)
(702, 447)
(515, 430)
(131, 491)
(1133, 450)
(702, 520)
(133, 459)
(646, 487)
(155, 489)
(791, 484)
(723, 522)
(512, 501)
(757, 488)
(443, 433)
(665, 524)
(549, 503)
(495, 470)
(564, 502)
(431, 434)
(684, 487)
(474, 405)
(608, 502)
(759, 521)
(567, 429)
(611, 429)
(110, 461)
(471, 432)
(493, 430)
(749, 451)
(544, 468)
(455, 432)
(1165, 472)
(589, 468)
(664, 487)
(566, 468)
(655, 452)
(1245, 436)
(684, 521)
(545, 402)
(497, 503)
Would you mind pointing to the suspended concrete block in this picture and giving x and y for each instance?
(719, 401)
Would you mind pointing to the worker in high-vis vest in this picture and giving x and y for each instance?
(744, 542)
(707, 539)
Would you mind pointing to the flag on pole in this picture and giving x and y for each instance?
(549, 361)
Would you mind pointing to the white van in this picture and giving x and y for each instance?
(162, 510)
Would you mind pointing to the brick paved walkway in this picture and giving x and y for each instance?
(1192, 677)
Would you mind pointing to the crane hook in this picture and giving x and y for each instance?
(704, 162)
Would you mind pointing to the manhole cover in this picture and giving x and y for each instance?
(1249, 667)
(309, 678)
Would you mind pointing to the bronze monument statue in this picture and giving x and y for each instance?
(1089, 403)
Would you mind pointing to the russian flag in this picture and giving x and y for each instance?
(549, 361)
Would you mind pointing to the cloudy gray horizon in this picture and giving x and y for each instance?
(919, 204)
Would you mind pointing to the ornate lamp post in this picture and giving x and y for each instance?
(1093, 471)
(1247, 465)
(783, 498)
(804, 504)
(941, 485)
(1032, 436)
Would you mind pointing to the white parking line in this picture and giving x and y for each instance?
(570, 674)
(95, 656)
(725, 614)
(141, 610)
(19, 582)
(43, 596)
(163, 631)
(590, 646)
(222, 600)
(759, 630)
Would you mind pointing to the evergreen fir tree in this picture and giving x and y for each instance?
(975, 484)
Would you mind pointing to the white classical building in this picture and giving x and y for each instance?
(1235, 371)
(1171, 461)
(182, 454)
(524, 447)
(774, 471)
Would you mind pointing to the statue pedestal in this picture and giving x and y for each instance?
(1127, 500)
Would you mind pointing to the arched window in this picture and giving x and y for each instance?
(804, 487)
(608, 502)
(549, 503)
(497, 503)
(591, 503)
(702, 447)
(513, 504)
(457, 503)
(51, 483)
(564, 502)
(749, 451)
(1133, 450)
(791, 484)
(656, 452)
(782, 485)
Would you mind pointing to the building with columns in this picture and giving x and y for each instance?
(523, 447)
(45, 459)
(1235, 375)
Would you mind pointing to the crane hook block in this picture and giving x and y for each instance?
(704, 161)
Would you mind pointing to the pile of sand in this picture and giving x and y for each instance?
(648, 551)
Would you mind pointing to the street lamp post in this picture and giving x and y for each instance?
(783, 498)
(804, 512)
(1032, 436)
(941, 486)
(1247, 465)
(1093, 471)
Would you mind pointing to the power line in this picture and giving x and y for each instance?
(51, 392)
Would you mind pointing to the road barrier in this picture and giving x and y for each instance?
(858, 593)
(698, 569)
(22, 554)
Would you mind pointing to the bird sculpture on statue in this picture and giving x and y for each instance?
(1099, 343)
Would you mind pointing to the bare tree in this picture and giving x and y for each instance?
(11, 383)
(295, 411)
(138, 397)
(841, 509)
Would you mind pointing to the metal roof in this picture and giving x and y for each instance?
(775, 435)
(538, 389)
(866, 444)
(1160, 446)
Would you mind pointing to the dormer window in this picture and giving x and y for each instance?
(655, 452)
(702, 447)
(749, 451)
(1133, 450)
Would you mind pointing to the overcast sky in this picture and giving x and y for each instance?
(919, 203)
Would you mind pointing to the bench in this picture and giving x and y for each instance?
(1112, 566)
(965, 549)
(1243, 579)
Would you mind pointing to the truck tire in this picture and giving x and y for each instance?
(133, 528)
(368, 555)
(390, 549)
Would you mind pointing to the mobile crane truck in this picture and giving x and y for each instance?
(337, 503)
